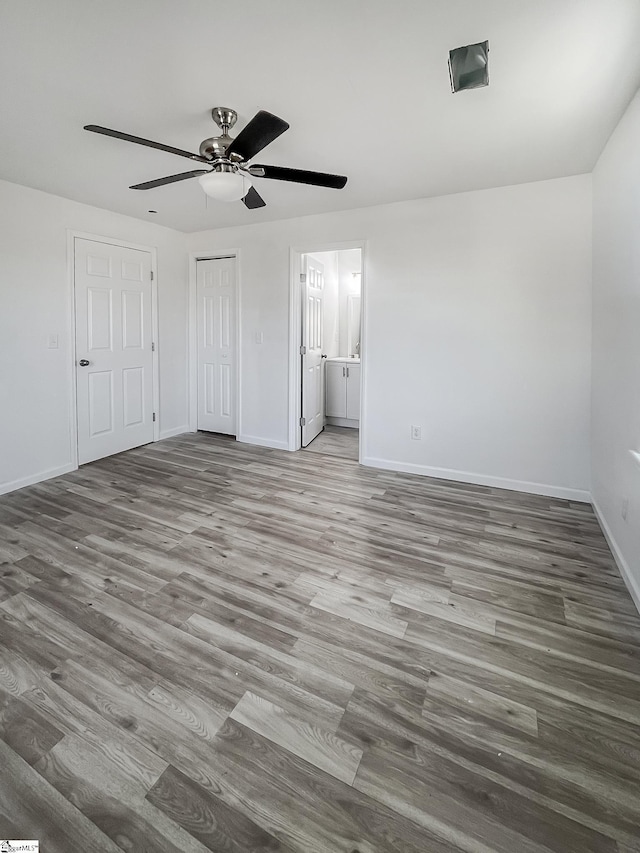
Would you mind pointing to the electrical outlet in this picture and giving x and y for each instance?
(624, 510)
(416, 433)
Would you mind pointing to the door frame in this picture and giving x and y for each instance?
(194, 257)
(295, 336)
(72, 236)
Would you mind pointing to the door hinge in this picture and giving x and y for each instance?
(151, 275)
(154, 417)
(303, 421)
(153, 346)
(303, 350)
(303, 278)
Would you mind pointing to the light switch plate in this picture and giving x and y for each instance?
(53, 342)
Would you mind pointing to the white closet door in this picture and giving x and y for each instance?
(216, 318)
(114, 361)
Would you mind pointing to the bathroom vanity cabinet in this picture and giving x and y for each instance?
(342, 383)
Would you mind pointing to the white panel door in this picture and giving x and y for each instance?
(312, 361)
(114, 361)
(216, 319)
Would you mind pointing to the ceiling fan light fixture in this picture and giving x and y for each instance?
(225, 183)
(469, 66)
(228, 174)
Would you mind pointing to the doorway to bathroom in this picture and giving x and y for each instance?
(327, 312)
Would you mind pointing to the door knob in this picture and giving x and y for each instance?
(324, 355)
(84, 362)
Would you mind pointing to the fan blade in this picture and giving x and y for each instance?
(117, 134)
(160, 182)
(299, 176)
(253, 199)
(263, 128)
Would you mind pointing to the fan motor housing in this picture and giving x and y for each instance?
(214, 147)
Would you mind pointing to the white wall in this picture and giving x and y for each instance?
(34, 303)
(477, 327)
(616, 342)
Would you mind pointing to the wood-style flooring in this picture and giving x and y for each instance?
(212, 646)
(337, 441)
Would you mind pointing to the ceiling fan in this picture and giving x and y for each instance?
(228, 176)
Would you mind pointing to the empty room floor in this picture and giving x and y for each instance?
(213, 646)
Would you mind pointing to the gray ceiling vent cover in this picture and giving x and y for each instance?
(469, 66)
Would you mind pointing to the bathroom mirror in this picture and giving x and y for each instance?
(353, 323)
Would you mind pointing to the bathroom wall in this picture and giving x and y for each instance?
(343, 279)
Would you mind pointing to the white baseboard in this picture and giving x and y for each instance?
(343, 422)
(624, 568)
(263, 442)
(14, 485)
(480, 479)
(169, 433)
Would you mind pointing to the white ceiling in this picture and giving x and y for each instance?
(363, 83)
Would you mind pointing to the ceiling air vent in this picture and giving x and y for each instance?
(469, 66)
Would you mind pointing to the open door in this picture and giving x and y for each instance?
(312, 283)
